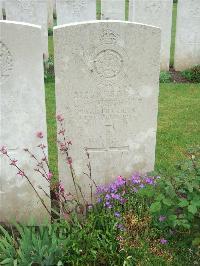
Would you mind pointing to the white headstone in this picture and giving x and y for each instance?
(22, 114)
(113, 9)
(34, 12)
(107, 79)
(157, 13)
(75, 11)
(1, 9)
(130, 11)
(187, 51)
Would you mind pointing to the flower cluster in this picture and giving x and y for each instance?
(116, 191)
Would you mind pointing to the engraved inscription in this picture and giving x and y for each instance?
(108, 63)
(6, 63)
(108, 148)
(109, 37)
(77, 6)
(26, 6)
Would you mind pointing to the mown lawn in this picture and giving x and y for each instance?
(178, 124)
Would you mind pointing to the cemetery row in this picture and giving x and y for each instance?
(112, 112)
(152, 12)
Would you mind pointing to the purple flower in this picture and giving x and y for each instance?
(122, 200)
(162, 218)
(99, 200)
(117, 214)
(149, 181)
(142, 186)
(120, 227)
(120, 181)
(107, 197)
(136, 179)
(115, 196)
(163, 241)
(108, 205)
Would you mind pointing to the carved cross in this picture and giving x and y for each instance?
(108, 148)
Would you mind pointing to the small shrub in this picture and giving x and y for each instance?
(165, 77)
(192, 74)
(50, 32)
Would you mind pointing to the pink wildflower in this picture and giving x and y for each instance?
(61, 188)
(162, 218)
(59, 118)
(69, 160)
(163, 241)
(39, 134)
(61, 132)
(49, 176)
(13, 162)
(21, 173)
(3, 150)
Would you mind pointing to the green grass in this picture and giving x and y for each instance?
(51, 46)
(178, 124)
(51, 126)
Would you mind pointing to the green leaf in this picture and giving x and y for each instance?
(196, 202)
(6, 261)
(155, 207)
(172, 217)
(183, 203)
(167, 202)
(192, 209)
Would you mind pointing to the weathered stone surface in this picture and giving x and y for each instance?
(1, 9)
(157, 13)
(107, 79)
(187, 52)
(130, 13)
(22, 114)
(34, 12)
(113, 9)
(75, 11)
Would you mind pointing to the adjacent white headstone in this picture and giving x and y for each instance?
(113, 9)
(34, 12)
(75, 11)
(1, 9)
(130, 11)
(107, 79)
(157, 13)
(22, 114)
(187, 51)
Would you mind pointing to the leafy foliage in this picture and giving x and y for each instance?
(145, 220)
(192, 74)
(165, 77)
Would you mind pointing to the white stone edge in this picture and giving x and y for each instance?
(20, 23)
(101, 22)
